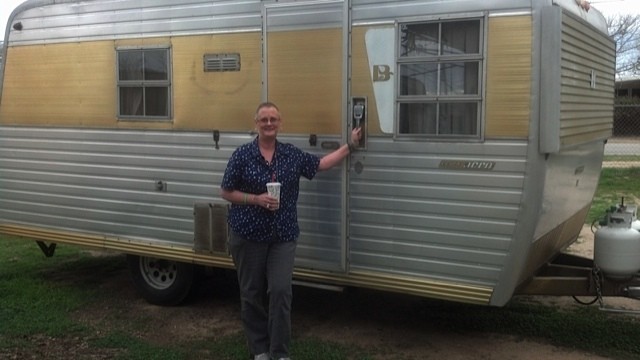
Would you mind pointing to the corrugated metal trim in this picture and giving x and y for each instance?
(128, 246)
(421, 287)
(394, 283)
(129, 19)
(583, 82)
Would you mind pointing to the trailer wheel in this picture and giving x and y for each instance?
(161, 282)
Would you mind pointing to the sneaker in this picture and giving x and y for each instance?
(263, 356)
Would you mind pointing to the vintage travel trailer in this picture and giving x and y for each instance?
(484, 121)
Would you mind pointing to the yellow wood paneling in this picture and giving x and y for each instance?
(138, 42)
(508, 85)
(216, 100)
(304, 79)
(362, 84)
(62, 84)
(74, 84)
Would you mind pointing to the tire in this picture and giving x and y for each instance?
(162, 282)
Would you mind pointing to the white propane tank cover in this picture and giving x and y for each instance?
(617, 247)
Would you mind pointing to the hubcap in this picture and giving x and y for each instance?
(160, 274)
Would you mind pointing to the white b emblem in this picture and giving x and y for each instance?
(381, 72)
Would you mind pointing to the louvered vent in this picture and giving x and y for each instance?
(221, 62)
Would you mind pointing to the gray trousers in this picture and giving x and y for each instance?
(264, 274)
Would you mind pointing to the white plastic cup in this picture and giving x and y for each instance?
(273, 188)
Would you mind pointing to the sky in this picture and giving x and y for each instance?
(607, 7)
(6, 7)
(616, 7)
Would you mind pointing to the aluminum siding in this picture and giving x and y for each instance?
(104, 182)
(91, 20)
(410, 216)
(44, 21)
(109, 19)
(586, 112)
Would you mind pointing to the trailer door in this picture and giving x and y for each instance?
(304, 73)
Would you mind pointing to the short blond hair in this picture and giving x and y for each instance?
(266, 104)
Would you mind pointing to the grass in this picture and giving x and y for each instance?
(38, 305)
(621, 158)
(38, 302)
(135, 348)
(615, 185)
(26, 297)
(584, 328)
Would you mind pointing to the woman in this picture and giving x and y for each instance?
(263, 230)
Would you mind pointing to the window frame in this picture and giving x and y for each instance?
(168, 84)
(478, 99)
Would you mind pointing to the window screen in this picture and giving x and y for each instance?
(440, 68)
(144, 85)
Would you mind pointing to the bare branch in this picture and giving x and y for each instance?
(625, 30)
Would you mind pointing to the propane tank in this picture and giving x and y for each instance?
(617, 246)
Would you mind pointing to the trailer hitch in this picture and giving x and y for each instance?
(571, 275)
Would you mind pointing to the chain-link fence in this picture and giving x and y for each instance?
(623, 148)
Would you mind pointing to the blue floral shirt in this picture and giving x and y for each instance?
(249, 172)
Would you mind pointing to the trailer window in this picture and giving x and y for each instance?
(439, 90)
(143, 83)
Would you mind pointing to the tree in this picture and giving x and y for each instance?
(625, 30)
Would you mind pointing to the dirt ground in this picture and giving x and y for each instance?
(365, 318)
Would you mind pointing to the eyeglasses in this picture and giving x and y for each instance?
(269, 120)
